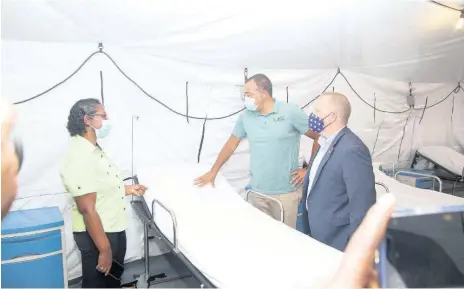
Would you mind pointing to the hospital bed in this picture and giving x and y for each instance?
(448, 163)
(408, 197)
(174, 257)
(224, 239)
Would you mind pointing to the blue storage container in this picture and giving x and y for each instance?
(415, 180)
(33, 250)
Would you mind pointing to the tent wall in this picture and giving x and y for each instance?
(162, 137)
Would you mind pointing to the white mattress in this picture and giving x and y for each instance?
(408, 197)
(445, 157)
(229, 241)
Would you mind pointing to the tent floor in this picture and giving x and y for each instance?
(171, 271)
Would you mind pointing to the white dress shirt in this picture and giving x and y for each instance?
(324, 143)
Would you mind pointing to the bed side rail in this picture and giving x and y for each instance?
(440, 183)
(174, 222)
(383, 185)
(269, 198)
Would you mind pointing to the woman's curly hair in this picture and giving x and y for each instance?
(79, 110)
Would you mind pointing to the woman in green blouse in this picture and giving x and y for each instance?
(96, 184)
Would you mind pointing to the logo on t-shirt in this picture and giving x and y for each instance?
(279, 118)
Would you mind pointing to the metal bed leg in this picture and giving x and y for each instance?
(147, 252)
(269, 198)
(142, 280)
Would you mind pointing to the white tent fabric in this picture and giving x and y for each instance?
(379, 47)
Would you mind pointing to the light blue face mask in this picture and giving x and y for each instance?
(104, 130)
(250, 104)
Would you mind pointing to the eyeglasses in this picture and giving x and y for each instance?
(98, 114)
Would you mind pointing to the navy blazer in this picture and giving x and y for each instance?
(342, 192)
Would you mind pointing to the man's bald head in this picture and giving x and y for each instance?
(337, 103)
(335, 110)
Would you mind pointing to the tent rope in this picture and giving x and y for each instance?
(455, 90)
(443, 5)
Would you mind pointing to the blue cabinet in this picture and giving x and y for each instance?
(33, 250)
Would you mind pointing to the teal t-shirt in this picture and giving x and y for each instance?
(274, 145)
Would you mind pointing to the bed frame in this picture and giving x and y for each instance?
(450, 176)
(383, 185)
(144, 280)
(274, 200)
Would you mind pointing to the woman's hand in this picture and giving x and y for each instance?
(105, 260)
(136, 190)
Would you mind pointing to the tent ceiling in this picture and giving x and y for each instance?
(402, 40)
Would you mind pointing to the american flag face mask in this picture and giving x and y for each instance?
(316, 124)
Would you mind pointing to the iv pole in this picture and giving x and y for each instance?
(142, 280)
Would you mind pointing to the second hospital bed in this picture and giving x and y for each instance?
(445, 159)
(408, 197)
(230, 242)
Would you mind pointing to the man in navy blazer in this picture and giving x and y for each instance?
(339, 186)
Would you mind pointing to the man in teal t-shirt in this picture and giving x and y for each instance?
(273, 130)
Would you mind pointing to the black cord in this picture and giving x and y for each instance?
(349, 84)
(375, 101)
(412, 137)
(225, 116)
(101, 88)
(425, 108)
(455, 90)
(325, 89)
(377, 136)
(172, 110)
(452, 108)
(443, 5)
(404, 133)
(201, 140)
(187, 100)
(59, 83)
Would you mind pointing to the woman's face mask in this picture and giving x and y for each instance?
(105, 128)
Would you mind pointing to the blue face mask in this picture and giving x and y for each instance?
(104, 130)
(316, 124)
(250, 104)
